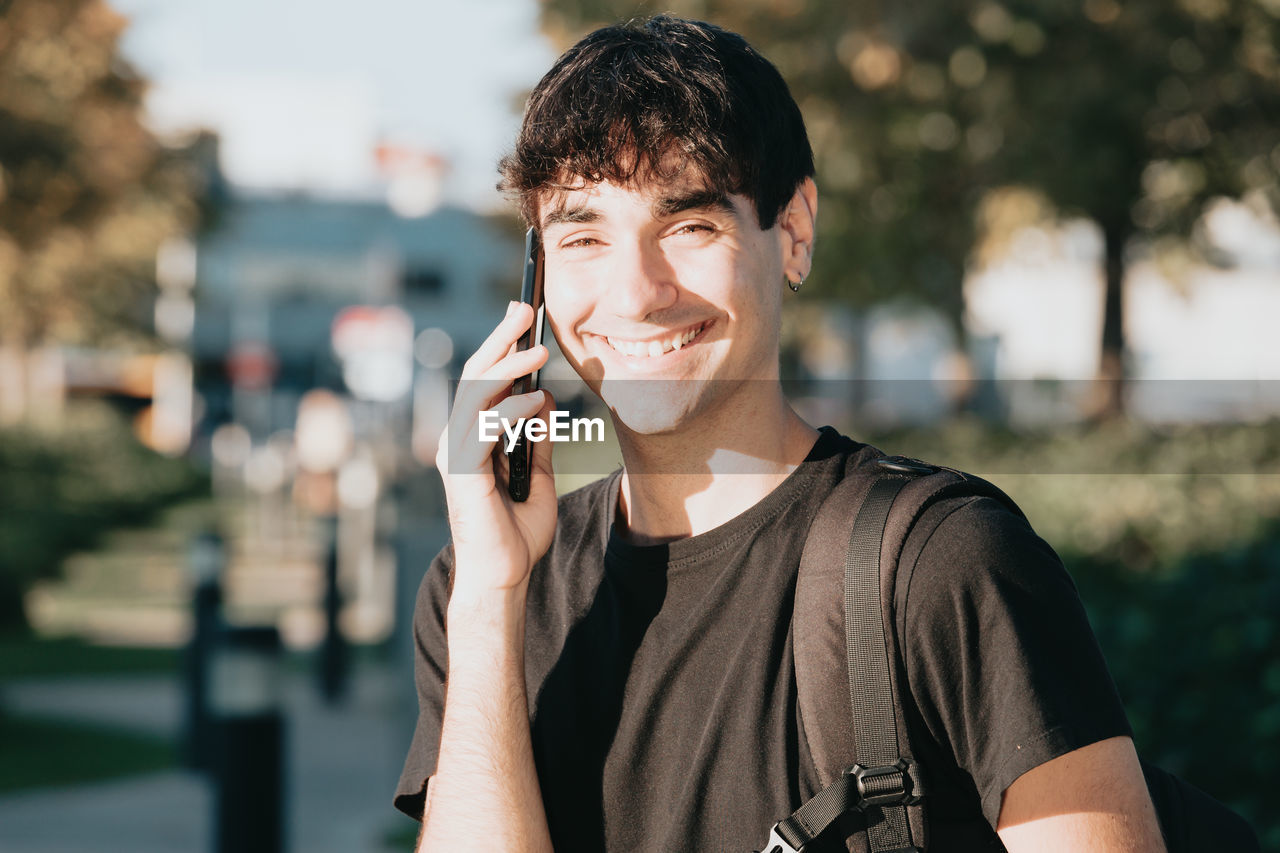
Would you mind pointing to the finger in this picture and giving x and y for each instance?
(475, 396)
(520, 406)
(490, 434)
(501, 339)
(501, 466)
(483, 392)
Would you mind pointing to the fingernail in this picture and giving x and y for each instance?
(511, 308)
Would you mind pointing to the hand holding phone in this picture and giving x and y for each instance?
(519, 461)
(497, 540)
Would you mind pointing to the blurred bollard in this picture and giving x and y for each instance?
(333, 651)
(245, 702)
(206, 561)
(323, 442)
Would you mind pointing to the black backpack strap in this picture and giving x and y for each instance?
(881, 762)
(854, 543)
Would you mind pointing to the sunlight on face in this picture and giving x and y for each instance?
(665, 298)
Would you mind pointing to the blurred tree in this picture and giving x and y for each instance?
(1138, 115)
(1134, 115)
(87, 194)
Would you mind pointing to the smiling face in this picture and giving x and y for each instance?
(666, 298)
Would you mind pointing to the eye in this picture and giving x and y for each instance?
(579, 242)
(695, 228)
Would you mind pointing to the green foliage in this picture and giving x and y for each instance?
(61, 489)
(1137, 494)
(1196, 656)
(45, 753)
(1133, 114)
(30, 657)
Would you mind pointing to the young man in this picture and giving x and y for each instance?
(613, 671)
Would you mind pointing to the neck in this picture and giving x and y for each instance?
(686, 482)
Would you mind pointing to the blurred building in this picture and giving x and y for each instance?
(279, 268)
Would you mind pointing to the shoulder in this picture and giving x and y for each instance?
(969, 547)
(977, 584)
(591, 497)
(988, 612)
(948, 525)
(978, 530)
(585, 515)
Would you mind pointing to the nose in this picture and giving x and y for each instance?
(642, 284)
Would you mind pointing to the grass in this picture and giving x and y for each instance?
(44, 753)
(40, 753)
(33, 657)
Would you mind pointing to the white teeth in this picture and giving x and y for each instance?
(653, 349)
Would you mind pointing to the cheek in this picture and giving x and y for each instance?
(565, 309)
(753, 287)
(758, 294)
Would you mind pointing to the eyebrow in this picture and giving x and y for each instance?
(696, 200)
(571, 215)
(662, 208)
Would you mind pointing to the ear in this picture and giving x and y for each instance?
(797, 224)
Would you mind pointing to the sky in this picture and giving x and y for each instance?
(302, 92)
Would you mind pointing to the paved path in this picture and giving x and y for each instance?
(343, 765)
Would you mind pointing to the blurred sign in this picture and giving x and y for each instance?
(376, 349)
(251, 365)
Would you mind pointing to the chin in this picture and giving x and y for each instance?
(654, 406)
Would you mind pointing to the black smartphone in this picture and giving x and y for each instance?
(520, 457)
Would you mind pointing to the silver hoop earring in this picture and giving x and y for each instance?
(795, 285)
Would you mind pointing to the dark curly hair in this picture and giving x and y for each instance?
(647, 99)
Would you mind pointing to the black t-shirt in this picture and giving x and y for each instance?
(662, 687)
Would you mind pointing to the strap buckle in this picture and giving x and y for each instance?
(886, 784)
(906, 465)
(777, 844)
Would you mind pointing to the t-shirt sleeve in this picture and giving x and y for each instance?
(1005, 669)
(430, 661)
